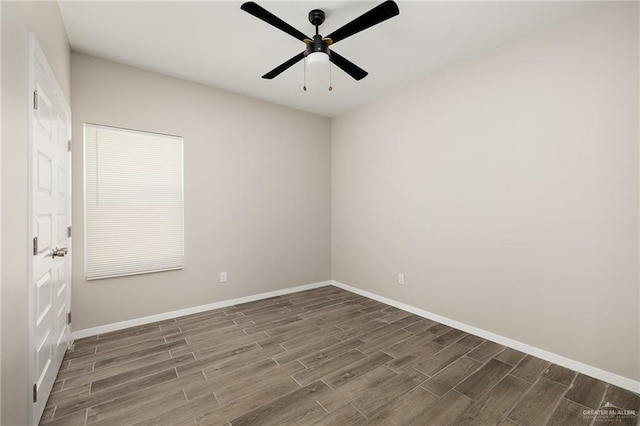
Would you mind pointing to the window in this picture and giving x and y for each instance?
(133, 202)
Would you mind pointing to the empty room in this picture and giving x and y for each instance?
(320, 213)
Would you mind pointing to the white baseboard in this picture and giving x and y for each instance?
(623, 382)
(578, 366)
(93, 331)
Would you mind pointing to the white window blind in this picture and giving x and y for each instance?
(134, 204)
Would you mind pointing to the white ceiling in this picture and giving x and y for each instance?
(217, 44)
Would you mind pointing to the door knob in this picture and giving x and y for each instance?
(60, 252)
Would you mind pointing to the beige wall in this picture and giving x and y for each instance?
(257, 191)
(506, 190)
(18, 18)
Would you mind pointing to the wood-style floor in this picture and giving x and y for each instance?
(324, 356)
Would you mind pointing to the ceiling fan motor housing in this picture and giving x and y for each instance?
(318, 45)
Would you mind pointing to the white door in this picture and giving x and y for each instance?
(49, 207)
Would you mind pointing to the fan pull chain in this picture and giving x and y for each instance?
(304, 65)
(330, 81)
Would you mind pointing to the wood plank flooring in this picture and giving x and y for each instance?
(319, 357)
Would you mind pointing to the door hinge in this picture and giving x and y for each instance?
(69, 145)
(35, 99)
(35, 392)
(68, 232)
(35, 246)
(69, 317)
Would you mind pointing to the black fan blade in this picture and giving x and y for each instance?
(347, 66)
(268, 17)
(277, 70)
(378, 14)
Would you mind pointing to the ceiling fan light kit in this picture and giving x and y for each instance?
(317, 48)
(317, 58)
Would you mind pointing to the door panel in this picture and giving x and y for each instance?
(49, 206)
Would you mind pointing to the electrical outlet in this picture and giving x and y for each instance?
(223, 277)
(401, 279)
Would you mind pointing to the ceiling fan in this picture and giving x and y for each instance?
(318, 47)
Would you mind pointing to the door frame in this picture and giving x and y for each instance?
(37, 54)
